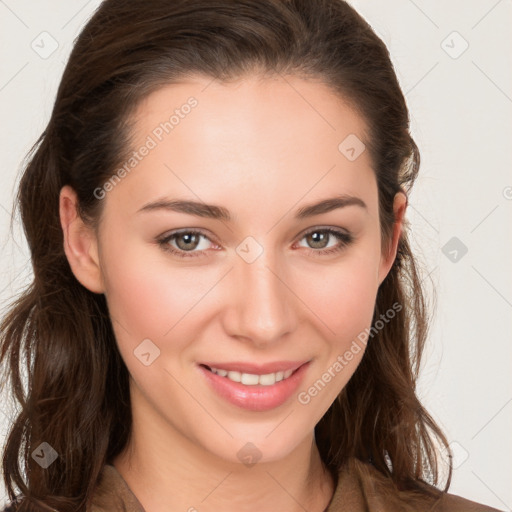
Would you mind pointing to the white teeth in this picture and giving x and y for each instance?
(267, 380)
(234, 376)
(250, 379)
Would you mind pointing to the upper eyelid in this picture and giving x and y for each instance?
(301, 235)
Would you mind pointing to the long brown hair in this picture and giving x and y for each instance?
(76, 396)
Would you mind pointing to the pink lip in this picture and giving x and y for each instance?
(257, 369)
(256, 398)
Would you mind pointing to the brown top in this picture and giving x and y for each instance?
(360, 488)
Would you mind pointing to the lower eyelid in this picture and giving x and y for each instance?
(344, 239)
(165, 241)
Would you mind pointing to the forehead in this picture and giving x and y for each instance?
(271, 139)
(256, 106)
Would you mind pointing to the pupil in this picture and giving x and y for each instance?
(317, 237)
(188, 239)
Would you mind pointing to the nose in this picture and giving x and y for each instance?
(261, 305)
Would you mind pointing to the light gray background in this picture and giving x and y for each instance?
(460, 107)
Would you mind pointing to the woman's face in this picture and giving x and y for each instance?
(262, 288)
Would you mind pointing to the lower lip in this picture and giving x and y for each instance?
(255, 398)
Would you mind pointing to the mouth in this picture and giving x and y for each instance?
(252, 387)
(253, 379)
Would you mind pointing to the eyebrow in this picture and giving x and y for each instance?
(219, 212)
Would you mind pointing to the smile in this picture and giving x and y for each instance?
(256, 388)
(251, 379)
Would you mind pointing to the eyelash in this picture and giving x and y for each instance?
(345, 240)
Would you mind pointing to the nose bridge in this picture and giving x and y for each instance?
(263, 308)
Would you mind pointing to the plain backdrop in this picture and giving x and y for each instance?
(455, 70)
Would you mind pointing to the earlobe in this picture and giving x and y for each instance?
(399, 207)
(80, 243)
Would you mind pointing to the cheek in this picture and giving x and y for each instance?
(344, 300)
(343, 296)
(147, 298)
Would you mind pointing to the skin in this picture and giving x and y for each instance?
(262, 148)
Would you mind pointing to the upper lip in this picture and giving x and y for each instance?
(256, 369)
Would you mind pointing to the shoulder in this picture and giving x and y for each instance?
(453, 503)
(112, 493)
(367, 489)
(11, 507)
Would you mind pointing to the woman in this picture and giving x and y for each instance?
(225, 312)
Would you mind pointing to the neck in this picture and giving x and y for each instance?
(168, 471)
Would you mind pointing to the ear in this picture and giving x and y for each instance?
(80, 242)
(387, 260)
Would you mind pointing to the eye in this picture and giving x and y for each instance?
(186, 241)
(318, 237)
(183, 243)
